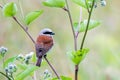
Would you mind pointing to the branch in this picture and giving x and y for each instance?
(52, 67)
(71, 22)
(89, 17)
(25, 29)
(5, 75)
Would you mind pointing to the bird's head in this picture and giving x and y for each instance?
(47, 32)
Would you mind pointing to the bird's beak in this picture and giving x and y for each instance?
(52, 33)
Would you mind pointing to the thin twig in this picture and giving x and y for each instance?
(87, 6)
(76, 66)
(21, 10)
(72, 27)
(5, 75)
(74, 35)
(24, 29)
(65, 9)
(80, 20)
(89, 17)
(3, 62)
(52, 67)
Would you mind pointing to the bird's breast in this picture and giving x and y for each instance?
(45, 41)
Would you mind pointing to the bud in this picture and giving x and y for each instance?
(3, 50)
(103, 3)
(26, 61)
(47, 75)
(20, 57)
(6, 69)
(95, 5)
(46, 71)
(28, 57)
(11, 68)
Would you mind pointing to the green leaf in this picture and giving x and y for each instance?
(77, 56)
(80, 2)
(22, 66)
(65, 78)
(62, 78)
(26, 72)
(83, 25)
(10, 60)
(1, 57)
(54, 3)
(34, 59)
(9, 9)
(32, 16)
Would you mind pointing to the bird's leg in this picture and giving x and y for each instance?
(45, 55)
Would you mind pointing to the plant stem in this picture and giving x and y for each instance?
(76, 72)
(76, 66)
(3, 62)
(87, 6)
(52, 68)
(24, 29)
(5, 75)
(71, 22)
(89, 17)
(21, 10)
(12, 76)
(74, 35)
(80, 20)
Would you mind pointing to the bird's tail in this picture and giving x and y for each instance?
(39, 60)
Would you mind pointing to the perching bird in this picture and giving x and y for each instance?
(43, 44)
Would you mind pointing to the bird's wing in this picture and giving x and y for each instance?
(39, 50)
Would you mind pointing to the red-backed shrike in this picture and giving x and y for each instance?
(43, 44)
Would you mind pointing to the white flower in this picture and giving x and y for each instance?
(29, 56)
(3, 50)
(11, 68)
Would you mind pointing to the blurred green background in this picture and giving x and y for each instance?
(103, 60)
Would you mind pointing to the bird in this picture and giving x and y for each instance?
(43, 44)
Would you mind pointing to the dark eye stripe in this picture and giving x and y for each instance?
(47, 33)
